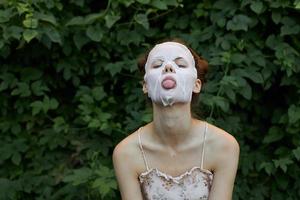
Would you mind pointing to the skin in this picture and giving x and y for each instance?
(173, 143)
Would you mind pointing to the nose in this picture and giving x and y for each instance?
(168, 68)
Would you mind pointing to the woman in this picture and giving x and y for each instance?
(175, 156)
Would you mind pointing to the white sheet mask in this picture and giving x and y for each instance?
(170, 73)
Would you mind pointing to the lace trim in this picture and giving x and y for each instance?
(176, 179)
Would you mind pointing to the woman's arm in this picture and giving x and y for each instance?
(126, 174)
(225, 170)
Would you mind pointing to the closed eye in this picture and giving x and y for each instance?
(182, 66)
(156, 66)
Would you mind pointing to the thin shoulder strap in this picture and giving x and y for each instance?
(203, 147)
(141, 147)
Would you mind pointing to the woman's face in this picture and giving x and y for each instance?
(171, 75)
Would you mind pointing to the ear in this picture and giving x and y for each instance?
(197, 86)
(145, 90)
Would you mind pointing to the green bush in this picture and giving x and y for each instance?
(70, 89)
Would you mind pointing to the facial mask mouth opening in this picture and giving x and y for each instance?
(168, 83)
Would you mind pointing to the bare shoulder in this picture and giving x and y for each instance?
(222, 145)
(126, 161)
(126, 148)
(222, 139)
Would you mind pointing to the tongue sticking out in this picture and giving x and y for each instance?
(168, 84)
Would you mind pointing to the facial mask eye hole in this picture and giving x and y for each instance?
(156, 66)
(182, 66)
(180, 62)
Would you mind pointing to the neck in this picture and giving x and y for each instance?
(172, 124)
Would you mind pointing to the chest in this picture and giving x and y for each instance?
(174, 164)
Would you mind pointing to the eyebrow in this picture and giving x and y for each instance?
(178, 58)
(157, 59)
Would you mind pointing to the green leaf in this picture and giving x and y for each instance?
(127, 3)
(221, 22)
(114, 68)
(76, 21)
(289, 30)
(1, 44)
(106, 182)
(91, 18)
(37, 106)
(6, 151)
(12, 32)
(142, 19)
(246, 92)
(49, 17)
(237, 58)
(79, 176)
(98, 93)
(173, 2)
(81, 21)
(80, 39)
(260, 60)
(221, 102)
(30, 23)
(296, 153)
(147, 117)
(104, 186)
(22, 90)
(162, 5)
(143, 1)
(274, 134)
(245, 89)
(53, 103)
(272, 41)
(294, 114)
(67, 73)
(20, 145)
(282, 163)
(16, 128)
(29, 34)
(111, 19)
(131, 37)
(257, 7)
(5, 15)
(9, 188)
(231, 94)
(104, 116)
(239, 22)
(95, 33)
(229, 81)
(256, 77)
(3, 86)
(94, 123)
(267, 166)
(23, 8)
(226, 5)
(16, 158)
(54, 35)
(297, 4)
(276, 17)
(206, 34)
(45, 105)
(60, 125)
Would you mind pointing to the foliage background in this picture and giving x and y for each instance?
(70, 89)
